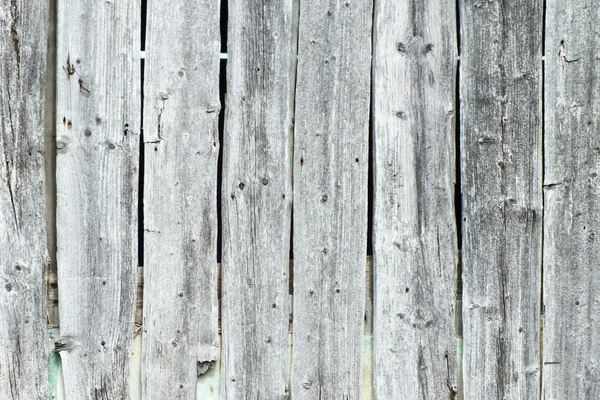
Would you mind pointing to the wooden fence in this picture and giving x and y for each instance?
(151, 206)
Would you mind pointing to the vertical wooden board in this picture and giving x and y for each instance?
(181, 110)
(98, 108)
(414, 227)
(571, 350)
(330, 197)
(257, 195)
(23, 262)
(500, 122)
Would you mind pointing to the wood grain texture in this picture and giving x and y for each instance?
(23, 255)
(257, 196)
(181, 110)
(414, 227)
(500, 122)
(571, 368)
(330, 197)
(98, 125)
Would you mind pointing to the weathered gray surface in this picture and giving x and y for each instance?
(330, 197)
(98, 123)
(257, 198)
(23, 255)
(181, 109)
(414, 228)
(571, 367)
(500, 121)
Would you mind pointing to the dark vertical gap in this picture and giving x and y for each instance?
(141, 173)
(368, 317)
(141, 160)
(292, 236)
(543, 128)
(50, 167)
(292, 102)
(458, 206)
(369, 274)
(222, 94)
(143, 24)
(291, 264)
(223, 26)
(224, 20)
(458, 213)
(295, 40)
(370, 183)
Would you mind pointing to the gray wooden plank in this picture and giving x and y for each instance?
(414, 227)
(181, 110)
(571, 350)
(98, 125)
(23, 255)
(257, 196)
(330, 197)
(500, 122)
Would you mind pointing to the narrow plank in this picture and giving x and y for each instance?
(414, 227)
(501, 126)
(181, 110)
(98, 124)
(23, 254)
(571, 350)
(330, 197)
(257, 196)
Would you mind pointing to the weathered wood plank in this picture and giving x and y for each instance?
(181, 110)
(257, 196)
(98, 123)
(23, 255)
(500, 122)
(571, 350)
(414, 227)
(330, 197)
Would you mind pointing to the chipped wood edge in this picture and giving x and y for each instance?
(208, 384)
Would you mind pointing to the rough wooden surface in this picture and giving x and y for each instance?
(571, 367)
(181, 109)
(98, 123)
(257, 199)
(500, 121)
(414, 228)
(330, 197)
(23, 254)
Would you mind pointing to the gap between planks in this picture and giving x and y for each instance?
(140, 294)
(207, 387)
(208, 384)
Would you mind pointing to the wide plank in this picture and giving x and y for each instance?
(181, 111)
(257, 198)
(414, 227)
(23, 255)
(97, 128)
(571, 350)
(501, 162)
(330, 197)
